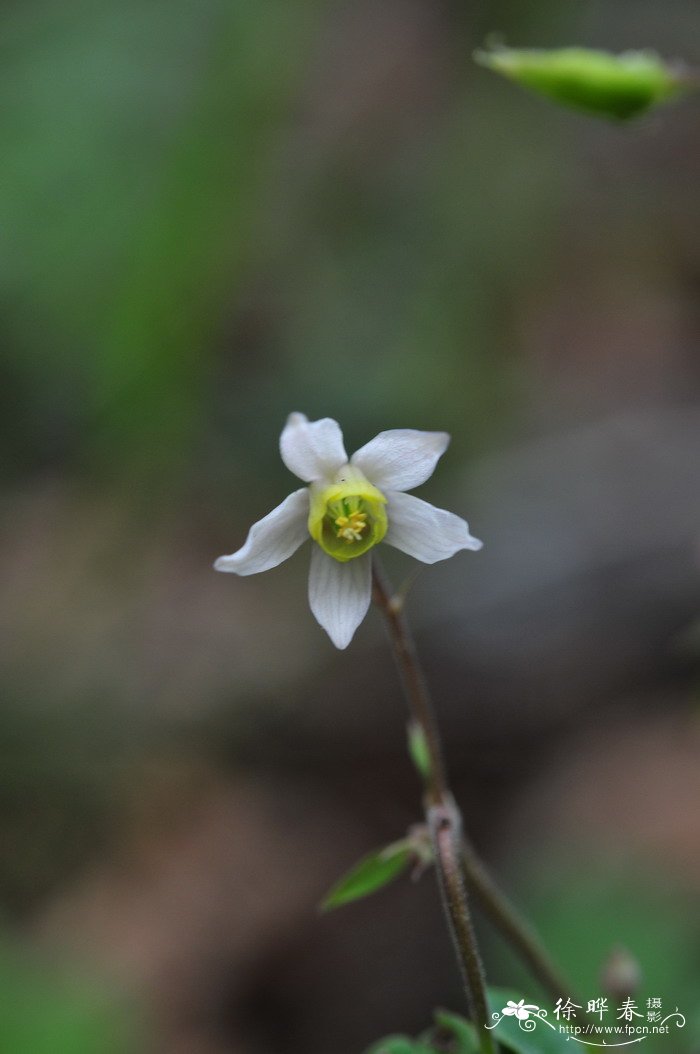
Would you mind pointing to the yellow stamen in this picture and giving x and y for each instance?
(350, 527)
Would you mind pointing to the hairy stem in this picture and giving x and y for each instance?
(445, 826)
(413, 682)
(444, 820)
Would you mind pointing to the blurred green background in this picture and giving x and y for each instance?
(214, 213)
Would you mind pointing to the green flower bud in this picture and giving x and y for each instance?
(615, 86)
(418, 749)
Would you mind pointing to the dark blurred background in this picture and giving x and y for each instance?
(214, 213)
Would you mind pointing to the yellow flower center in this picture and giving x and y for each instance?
(348, 516)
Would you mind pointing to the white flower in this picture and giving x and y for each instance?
(347, 508)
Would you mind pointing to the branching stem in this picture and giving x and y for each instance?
(516, 930)
(459, 868)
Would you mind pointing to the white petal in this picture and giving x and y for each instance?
(402, 458)
(339, 593)
(312, 449)
(272, 539)
(424, 531)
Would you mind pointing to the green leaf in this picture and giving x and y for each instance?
(461, 1032)
(399, 1045)
(371, 873)
(541, 1040)
(618, 87)
(454, 1033)
(451, 1032)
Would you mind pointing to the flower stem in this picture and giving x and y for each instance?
(445, 826)
(413, 682)
(444, 820)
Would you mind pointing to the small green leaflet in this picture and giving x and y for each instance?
(618, 87)
(461, 1032)
(541, 1040)
(450, 1032)
(375, 870)
(454, 1033)
(400, 1045)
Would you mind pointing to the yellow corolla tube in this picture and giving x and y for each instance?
(348, 516)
